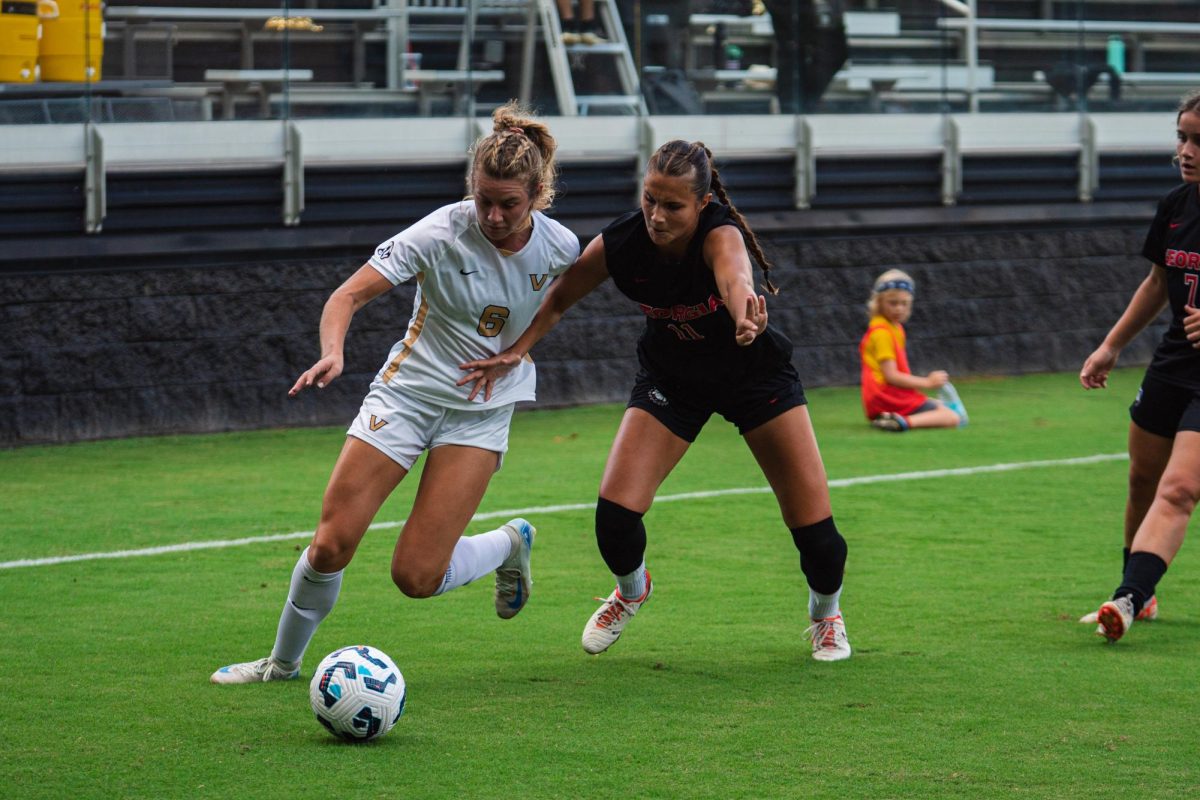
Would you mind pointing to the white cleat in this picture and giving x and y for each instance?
(605, 626)
(1114, 618)
(514, 581)
(265, 669)
(829, 642)
(1149, 613)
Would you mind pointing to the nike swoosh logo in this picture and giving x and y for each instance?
(517, 602)
(464, 272)
(1175, 225)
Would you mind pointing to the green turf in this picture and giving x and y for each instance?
(970, 677)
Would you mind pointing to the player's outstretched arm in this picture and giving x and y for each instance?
(588, 272)
(725, 253)
(1147, 303)
(359, 289)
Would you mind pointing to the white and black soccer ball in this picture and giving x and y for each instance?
(357, 693)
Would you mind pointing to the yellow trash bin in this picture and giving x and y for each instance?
(73, 43)
(20, 29)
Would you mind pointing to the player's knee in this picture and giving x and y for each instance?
(327, 554)
(415, 582)
(822, 554)
(1179, 492)
(621, 537)
(1143, 479)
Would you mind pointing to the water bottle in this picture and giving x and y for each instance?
(949, 395)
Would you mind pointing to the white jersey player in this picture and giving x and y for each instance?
(482, 267)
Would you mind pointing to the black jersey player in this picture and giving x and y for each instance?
(1164, 434)
(684, 259)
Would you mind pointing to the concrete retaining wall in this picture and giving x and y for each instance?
(154, 351)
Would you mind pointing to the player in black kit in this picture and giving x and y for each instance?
(706, 349)
(1164, 435)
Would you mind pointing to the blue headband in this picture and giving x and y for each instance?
(903, 285)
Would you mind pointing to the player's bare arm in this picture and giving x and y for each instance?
(725, 253)
(588, 272)
(1147, 303)
(359, 289)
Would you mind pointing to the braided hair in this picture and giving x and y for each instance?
(678, 158)
(519, 148)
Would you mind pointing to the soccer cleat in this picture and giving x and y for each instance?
(606, 625)
(829, 642)
(265, 669)
(513, 577)
(1149, 613)
(1114, 618)
(887, 421)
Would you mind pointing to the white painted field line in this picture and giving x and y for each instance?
(517, 512)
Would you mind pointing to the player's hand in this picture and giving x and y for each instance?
(754, 322)
(1094, 374)
(321, 373)
(1191, 325)
(486, 371)
(938, 378)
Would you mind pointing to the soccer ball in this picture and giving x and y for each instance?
(357, 693)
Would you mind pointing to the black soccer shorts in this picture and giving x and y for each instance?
(685, 412)
(1164, 408)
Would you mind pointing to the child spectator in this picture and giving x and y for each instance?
(890, 393)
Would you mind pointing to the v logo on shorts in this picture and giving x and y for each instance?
(377, 422)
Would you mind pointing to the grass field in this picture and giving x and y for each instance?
(971, 677)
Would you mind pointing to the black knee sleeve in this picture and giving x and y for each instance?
(621, 537)
(822, 555)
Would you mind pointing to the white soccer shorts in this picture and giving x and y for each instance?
(402, 426)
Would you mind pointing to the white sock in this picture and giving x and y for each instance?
(474, 557)
(823, 606)
(310, 599)
(633, 585)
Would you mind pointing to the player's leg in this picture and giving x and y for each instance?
(1159, 537)
(939, 416)
(432, 556)
(362, 479)
(1158, 411)
(786, 450)
(1148, 457)
(643, 453)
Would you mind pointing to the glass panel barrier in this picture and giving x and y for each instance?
(129, 60)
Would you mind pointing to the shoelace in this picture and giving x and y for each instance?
(823, 633)
(611, 614)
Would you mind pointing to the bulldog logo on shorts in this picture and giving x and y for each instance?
(657, 397)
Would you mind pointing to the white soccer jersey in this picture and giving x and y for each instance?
(472, 302)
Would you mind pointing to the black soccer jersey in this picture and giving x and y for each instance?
(688, 343)
(1173, 243)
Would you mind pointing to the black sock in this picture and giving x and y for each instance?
(1124, 558)
(1142, 574)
